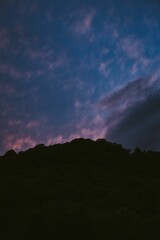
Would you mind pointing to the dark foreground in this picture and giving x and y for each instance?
(80, 190)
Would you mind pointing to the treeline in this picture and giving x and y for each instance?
(84, 189)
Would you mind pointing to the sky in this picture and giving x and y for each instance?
(71, 69)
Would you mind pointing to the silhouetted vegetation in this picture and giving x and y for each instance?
(84, 189)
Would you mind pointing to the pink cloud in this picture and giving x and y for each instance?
(19, 144)
(141, 63)
(93, 129)
(134, 68)
(132, 47)
(81, 104)
(83, 129)
(105, 51)
(84, 22)
(32, 124)
(55, 140)
(78, 104)
(14, 122)
(145, 62)
(87, 133)
(42, 54)
(154, 77)
(104, 68)
(59, 62)
(11, 71)
(47, 58)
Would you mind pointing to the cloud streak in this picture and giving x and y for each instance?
(126, 96)
(133, 116)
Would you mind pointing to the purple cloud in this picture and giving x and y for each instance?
(105, 68)
(83, 22)
(18, 144)
(15, 73)
(132, 47)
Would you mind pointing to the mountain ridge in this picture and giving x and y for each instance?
(84, 189)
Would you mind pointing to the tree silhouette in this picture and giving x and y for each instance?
(84, 189)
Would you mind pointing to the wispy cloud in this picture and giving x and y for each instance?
(132, 47)
(22, 133)
(105, 68)
(127, 95)
(55, 140)
(16, 73)
(83, 22)
(32, 124)
(48, 58)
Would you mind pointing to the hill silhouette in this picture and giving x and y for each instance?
(84, 189)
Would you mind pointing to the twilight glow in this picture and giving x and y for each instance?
(84, 68)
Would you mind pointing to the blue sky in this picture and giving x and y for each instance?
(73, 69)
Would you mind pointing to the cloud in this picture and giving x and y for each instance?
(133, 117)
(104, 68)
(83, 23)
(55, 140)
(32, 124)
(132, 47)
(10, 70)
(22, 133)
(129, 94)
(140, 125)
(19, 144)
(15, 73)
(91, 126)
(14, 123)
(48, 59)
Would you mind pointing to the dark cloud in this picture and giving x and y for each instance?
(130, 93)
(138, 124)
